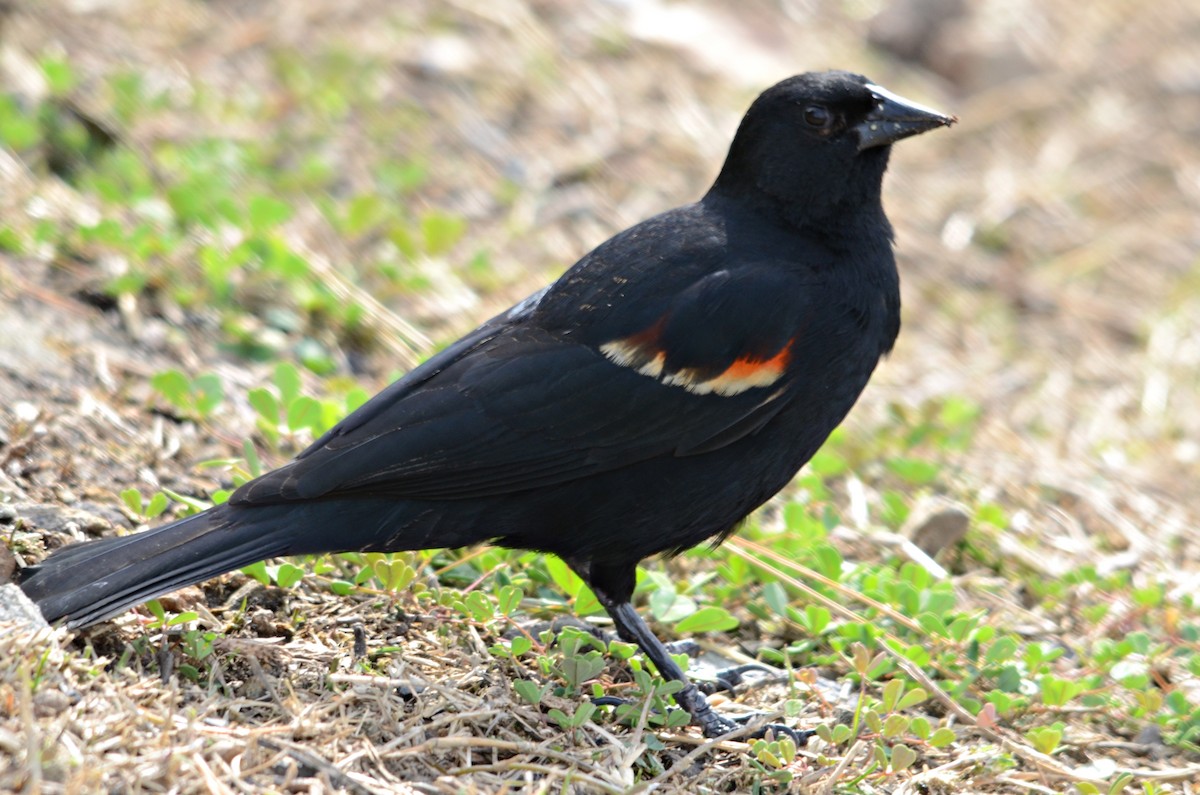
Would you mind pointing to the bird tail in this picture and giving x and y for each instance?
(87, 583)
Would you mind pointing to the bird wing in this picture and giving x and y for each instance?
(516, 405)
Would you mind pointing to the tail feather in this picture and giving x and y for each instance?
(87, 583)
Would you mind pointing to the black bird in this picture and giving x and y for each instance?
(664, 387)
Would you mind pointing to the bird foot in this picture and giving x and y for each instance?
(730, 679)
(714, 725)
(720, 726)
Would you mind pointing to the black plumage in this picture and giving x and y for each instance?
(669, 383)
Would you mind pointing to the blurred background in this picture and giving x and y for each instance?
(223, 187)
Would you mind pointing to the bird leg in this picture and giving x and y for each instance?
(632, 629)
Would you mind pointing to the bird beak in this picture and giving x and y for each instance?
(895, 118)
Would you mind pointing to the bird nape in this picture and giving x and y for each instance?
(664, 387)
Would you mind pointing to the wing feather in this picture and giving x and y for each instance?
(515, 406)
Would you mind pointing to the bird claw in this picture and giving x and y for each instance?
(610, 701)
(728, 679)
(714, 725)
(685, 646)
(798, 736)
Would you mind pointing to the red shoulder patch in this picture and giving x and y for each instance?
(643, 353)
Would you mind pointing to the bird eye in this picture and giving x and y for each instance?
(817, 116)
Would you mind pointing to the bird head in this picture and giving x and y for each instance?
(817, 143)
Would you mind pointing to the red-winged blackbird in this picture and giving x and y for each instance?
(668, 384)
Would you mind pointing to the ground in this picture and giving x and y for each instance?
(336, 189)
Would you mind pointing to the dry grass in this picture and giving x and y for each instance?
(1048, 246)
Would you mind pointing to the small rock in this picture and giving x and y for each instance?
(910, 29)
(1152, 742)
(60, 518)
(447, 54)
(11, 743)
(183, 600)
(954, 39)
(106, 511)
(48, 703)
(8, 564)
(935, 525)
(17, 608)
(1149, 735)
(25, 412)
(9, 490)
